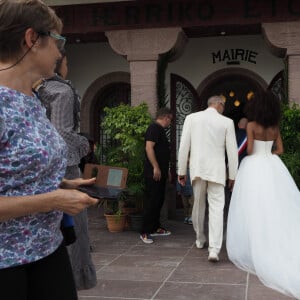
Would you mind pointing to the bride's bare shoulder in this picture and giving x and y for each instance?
(252, 125)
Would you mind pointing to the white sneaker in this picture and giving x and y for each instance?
(200, 245)
(213, 257)
(146, 238)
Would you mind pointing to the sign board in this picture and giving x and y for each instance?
(101, 17)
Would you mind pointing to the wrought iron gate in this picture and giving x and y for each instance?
(184, 100)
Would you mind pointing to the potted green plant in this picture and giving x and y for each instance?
(290, 133)
(115, 218)
(126, 126)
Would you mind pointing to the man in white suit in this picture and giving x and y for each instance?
(206, 136)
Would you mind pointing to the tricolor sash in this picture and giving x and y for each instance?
(242, 146)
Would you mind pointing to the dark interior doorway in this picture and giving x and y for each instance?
(236, 89)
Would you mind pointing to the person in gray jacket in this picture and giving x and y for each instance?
(62, 104)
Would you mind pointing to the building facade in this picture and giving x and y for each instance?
(118, 51)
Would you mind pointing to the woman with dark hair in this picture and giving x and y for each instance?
(34, 262)
(264, 214)
(264, 109)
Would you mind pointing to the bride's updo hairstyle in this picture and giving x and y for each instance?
(264, 109)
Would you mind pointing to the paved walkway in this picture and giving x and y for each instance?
(171, 268)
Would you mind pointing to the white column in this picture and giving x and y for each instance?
(143, 84)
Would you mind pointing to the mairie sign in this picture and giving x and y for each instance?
(234, 56)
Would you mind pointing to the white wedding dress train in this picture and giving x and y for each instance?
(263, 230)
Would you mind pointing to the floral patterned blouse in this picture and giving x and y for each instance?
(32, 161)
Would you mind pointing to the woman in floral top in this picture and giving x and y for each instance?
(34, 263)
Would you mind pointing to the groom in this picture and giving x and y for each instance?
(207, 135)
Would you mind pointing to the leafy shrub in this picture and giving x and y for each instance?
(126, 126)
(290, 133)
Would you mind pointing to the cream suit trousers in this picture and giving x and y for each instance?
(216, 201)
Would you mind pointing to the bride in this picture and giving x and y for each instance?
(263, 231)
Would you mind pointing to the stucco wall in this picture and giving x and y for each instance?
(87, 62)
(196, 62)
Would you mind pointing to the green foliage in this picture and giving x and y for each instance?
(111, 207)
(290, 133)
(126, 126)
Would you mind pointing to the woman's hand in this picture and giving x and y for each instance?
(181, 179)
(75, 183)
(72, 201)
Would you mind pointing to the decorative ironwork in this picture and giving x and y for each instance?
(277, 86)
(184, 100)
(184, 106)
(111, 96)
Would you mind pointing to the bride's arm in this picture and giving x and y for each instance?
(278, 149)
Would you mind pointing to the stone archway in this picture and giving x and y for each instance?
(236, 85)
(92, 97)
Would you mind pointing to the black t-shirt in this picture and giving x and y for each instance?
(157, 134)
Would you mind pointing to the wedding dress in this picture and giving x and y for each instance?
(263, 230)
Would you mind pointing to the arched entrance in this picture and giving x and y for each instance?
(108, 90)
(109, 96)
(235, 85)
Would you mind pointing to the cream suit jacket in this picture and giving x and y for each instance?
(207, 135)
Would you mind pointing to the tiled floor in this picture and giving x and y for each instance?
(171, 268)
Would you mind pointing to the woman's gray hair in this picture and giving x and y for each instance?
(214, 100)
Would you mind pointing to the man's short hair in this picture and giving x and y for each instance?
(243, 123)
(162, 112)
(214, 100)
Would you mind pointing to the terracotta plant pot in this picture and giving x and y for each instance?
(115, 223)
